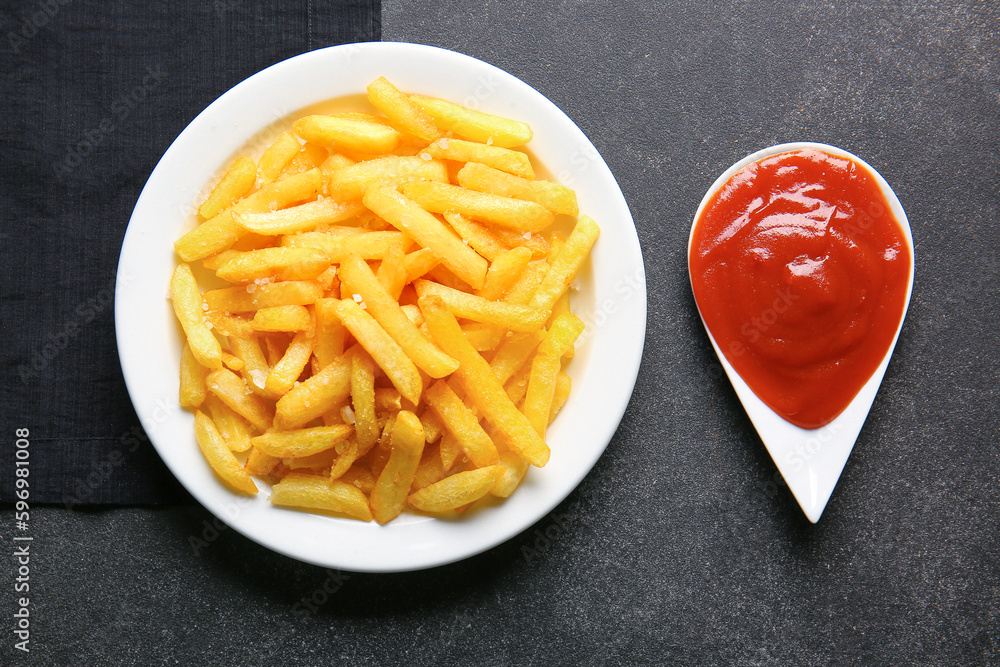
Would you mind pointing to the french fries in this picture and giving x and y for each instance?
(388, 321)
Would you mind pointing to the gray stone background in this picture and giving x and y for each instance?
(682, 546)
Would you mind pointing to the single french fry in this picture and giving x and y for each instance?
(218, 233)
(302, 218)
(319, 463)
(392, 271)
(562, 306)
(430, 470)
(234, 428)
(545, 368)
(433, 426)
(356, 273)
(456, 491)
(359, 476)
(288, 369)
(533, 241)
(478, 236)
(348, 453)
(504, 272)
(393, 483)
(353, 181)
(310, 156)
(513, 353)
(232, 362)
(301, 442)
(363, 399)
(313, 492)
(501, 313)
(483, 337)
(517, 386)
(315, 396)
(255, 365)
(192, 387)
(567, 263)
(514, 469)
(480, 384)
(231, 389)
(527, 283)
(368, 245)
(525, 216)
(187, 301)
(475, 125)
(227, 324)
(561, 394)
(347, 133)
(330, 333)
(419, 262)
(429, 232)
(557, 198)
(268, 295)
(461, 422)
(219, 456)
(505, 159)
(280, 263)
(282, 318)
(397, 106)
(277, 155)
(259, 463)
(215, 261)
(234, 184)
(450, 449)
(385, 351)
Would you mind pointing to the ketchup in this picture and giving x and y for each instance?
(800, 272)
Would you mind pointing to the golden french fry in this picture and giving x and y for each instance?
(368, 245)
(482, 178)
(319, 463)
(232, 362)
(302, 218)
(514, 353)
(561, 394)
(483, 337)
(277, 156)
(501, 313)
(430, 470)
(187, 301)
(392, 271)
(429, 232)
(567, 263)
(280, 263)
(432, 424)
(315, 396)
(363, 398)
(219, 456)
(301, 442)
(233, 427)
(353, 181)
(462, 423)
(483, 240)
(218, 233)
(259, 463)
(345, 459)
(513, 162)
(356, 273)
(533, 241)
(227, 324)
(231, 389)
(393, 483)
(282, 318)
(479, 383)
(397, 106)
(562, 306)
(267, 295)
(419, 262)
(312, 492)
(525, 216)
(234, 184)
(475, 125)
(450, 449)
(385, 351)
(359, 476)
(514, 469)
(330, 334)
(192, 388)
(255, 365)
(347, 133)
(456, 491)
(517, 386)
(527, 283)
(504, 273)
(292, 363)
(310, 156)
(386, 399)
(545, 368)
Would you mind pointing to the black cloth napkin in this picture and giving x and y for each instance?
(93, 94)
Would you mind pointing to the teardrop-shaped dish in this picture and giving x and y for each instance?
(810, 460)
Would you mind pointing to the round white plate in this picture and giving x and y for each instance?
(611, 299)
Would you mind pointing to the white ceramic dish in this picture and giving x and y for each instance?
(611, 300)
(811, 460)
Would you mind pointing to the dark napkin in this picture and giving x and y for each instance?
(93, 94)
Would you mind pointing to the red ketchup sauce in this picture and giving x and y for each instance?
(801, 271)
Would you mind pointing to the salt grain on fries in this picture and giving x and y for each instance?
(397, 317)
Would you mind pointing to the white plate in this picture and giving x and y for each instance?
(611, 300)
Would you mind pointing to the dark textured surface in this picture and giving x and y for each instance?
(93, 94)
(682, 546)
